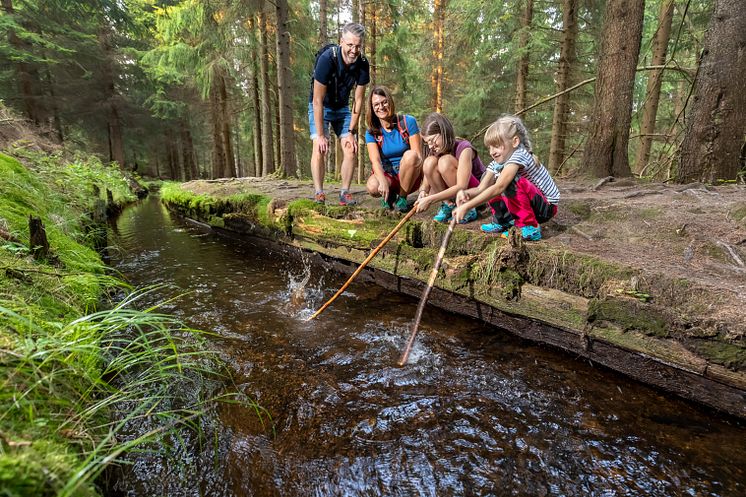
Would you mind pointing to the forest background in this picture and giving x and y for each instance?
(186, 89)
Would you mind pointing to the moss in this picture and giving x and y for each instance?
(726, 354)
(580, 208)
(629, 314)
(737, 212)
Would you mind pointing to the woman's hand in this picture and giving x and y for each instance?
(423, 202)
(383, 188)
(462, 197)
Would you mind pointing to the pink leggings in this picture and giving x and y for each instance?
(522, 203)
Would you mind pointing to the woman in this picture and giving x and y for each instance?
(393, 142)
(451, 165)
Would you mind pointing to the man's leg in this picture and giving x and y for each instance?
(318, 168)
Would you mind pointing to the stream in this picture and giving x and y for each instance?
(475, 412)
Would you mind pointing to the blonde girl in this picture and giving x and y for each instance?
(517, 186)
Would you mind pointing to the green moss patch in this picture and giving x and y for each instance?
(629, 314)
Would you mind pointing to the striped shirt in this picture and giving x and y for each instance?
(531, 170)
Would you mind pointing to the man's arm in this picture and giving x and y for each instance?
(357, 106)
(319, 92)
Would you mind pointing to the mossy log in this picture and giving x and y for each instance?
(608, 313)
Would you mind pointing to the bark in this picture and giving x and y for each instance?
(268, 159)
(229, 166)
(606, 149)
(522, 73)
(653, 91)
(285, 91)
(714, 140)
(567, 61)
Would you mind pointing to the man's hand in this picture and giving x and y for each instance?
(352, 140)
(322, 144)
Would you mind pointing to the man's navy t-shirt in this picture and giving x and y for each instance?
(347, 77)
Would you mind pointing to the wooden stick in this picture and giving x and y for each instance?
(426, 293)
(366, 261)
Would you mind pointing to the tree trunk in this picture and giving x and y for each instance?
(438, 53)
(229, 165)
(27, 75)
(38, 243)
(285, 91)
(567, 62)
(323, 29)
(714, 140)
(114, 125)
(606, 148)
(187, 150)
(653, 91)
(218, 153)
(256, 114)
(522, 73)
(268, 159)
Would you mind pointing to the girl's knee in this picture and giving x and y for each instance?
(447, 163)
(430, 165)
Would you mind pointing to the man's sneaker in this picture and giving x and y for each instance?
(320, 198)
(470, 216)
(444, 214)
(401, 204)
(345, 198)
(494, 227)
(531, 233)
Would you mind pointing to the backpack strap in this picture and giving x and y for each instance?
(403, 130)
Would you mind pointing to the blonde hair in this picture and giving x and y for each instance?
(505, 129)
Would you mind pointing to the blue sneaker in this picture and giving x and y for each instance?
(530, 233)
(470, 216)
(444, 214)
(494, 227)
(401, 204)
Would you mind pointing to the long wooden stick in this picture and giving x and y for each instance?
(366, 261)
(426, 293)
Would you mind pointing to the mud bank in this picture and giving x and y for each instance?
(674, 327)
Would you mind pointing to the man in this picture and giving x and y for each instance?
(338, 68)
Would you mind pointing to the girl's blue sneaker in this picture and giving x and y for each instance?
(494, 227)
(470, 216)
(444, 214)
(530, 233)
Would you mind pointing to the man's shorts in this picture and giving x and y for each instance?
(339, 119)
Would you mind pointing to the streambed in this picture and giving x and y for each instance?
(475, 412)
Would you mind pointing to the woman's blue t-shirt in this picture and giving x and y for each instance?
(393, 147)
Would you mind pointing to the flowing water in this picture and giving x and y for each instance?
(475, 412)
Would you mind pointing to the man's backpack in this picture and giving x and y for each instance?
(332, 85)
(401, 123)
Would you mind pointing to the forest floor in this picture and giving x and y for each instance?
(695, 232)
